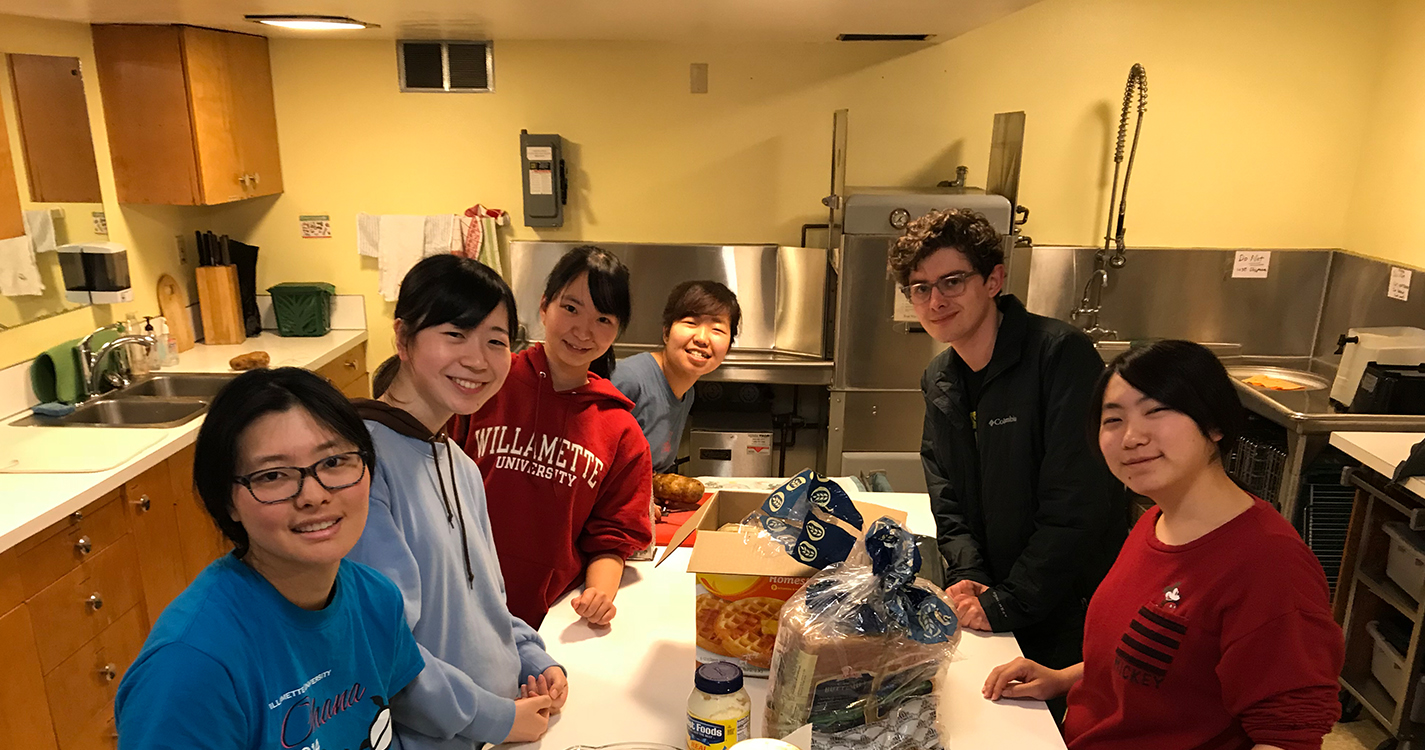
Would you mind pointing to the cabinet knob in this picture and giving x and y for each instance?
(109, 672)
(84, 546)
(76, 516)
(94, 602)
(143, 504)
(350, 364)
(256, 178)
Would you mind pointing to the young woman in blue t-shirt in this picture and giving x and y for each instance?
(280, 643)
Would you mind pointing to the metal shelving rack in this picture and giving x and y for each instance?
(1370, 595)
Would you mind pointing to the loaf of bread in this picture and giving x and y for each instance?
(249, 361)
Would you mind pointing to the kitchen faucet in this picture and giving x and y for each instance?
(90, 362)
(1091, 303)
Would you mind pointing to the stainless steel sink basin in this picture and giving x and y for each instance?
(126, 412)
(177, 385)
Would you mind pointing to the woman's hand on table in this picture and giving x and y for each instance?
(595, 606)
(531, 718)
(551, 683)
(1023, 678)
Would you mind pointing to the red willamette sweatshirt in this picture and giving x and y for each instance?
(1217, 644)
(568, 477)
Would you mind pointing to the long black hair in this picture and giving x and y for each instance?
(1184, 377)
(252, 395)
(608, 286)
(445, 289)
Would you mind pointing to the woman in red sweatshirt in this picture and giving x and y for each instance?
(566, 467)
(1214, 627)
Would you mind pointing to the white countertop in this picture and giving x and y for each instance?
(630, 682)
(1381, 452)
(30, 502)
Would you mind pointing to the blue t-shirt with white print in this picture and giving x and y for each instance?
(231, 663)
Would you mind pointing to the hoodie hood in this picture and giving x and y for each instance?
(529, 369)
(401, 422)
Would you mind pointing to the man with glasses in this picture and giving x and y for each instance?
(1028, 518)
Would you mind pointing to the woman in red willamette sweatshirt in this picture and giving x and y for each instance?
(566, 467)
(1214, 628)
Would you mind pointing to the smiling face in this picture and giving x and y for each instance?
(575, 332)
(311, 533)
(697, 344)
(448, 370)
(1150, 447)
(953, 319)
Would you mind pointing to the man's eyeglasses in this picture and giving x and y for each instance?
(949, 285)
(279, 484)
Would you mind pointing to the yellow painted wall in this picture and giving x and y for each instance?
(148, 232)
(1387, 211)
(1254, 125)
(1250, 105)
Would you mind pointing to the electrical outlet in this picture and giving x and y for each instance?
(182, 249)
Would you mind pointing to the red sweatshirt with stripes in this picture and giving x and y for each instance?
(1219, 644)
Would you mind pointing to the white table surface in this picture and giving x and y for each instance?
(1381, 452)
(31, 502)
(630, 682)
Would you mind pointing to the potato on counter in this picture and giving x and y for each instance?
(249, 361)
(677, 490)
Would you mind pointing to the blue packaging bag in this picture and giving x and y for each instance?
(809, 517)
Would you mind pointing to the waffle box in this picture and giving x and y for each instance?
(739, 590)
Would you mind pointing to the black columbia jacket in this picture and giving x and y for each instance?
(1022, 503)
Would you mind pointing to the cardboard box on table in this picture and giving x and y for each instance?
(740, 590)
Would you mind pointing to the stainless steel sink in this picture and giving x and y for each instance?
(126, 412)
(177, 385)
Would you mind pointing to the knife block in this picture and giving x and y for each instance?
(220, 305)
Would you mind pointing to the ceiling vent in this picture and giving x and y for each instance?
(884, 37)
(446, 67)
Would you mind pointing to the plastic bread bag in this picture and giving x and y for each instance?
(811, 518)
(860, 648)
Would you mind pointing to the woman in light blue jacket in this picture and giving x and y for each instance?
(487, 677)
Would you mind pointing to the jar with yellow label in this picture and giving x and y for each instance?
(719, 710)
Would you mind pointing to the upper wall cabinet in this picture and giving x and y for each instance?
(12, 223)
(53, 120)
(189, 113)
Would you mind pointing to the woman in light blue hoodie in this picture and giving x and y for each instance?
(487, 677)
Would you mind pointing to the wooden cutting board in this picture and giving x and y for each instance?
(174, 306)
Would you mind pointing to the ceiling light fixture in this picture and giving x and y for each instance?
(308, 22)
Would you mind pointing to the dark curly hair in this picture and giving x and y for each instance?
(957, 228)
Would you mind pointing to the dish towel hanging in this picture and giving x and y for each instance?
(19, 275)
(39, 225)
(480, 239)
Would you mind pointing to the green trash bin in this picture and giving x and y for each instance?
(303, 308)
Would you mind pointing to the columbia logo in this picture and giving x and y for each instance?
(1002, 420)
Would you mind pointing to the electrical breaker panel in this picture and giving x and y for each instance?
(545, 185)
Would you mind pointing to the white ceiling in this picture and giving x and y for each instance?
(648, 20)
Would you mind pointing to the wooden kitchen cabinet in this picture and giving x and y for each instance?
(25, 716)
(81, 689)
(153, 516)
(12, 224)
(199, 539)
(348, 372)
(190, 114)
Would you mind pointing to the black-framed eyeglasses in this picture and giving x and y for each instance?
(949, 285)
(279, 484)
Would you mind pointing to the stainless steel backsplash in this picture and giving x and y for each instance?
(782, 290)
(1190, 294)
